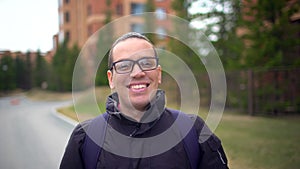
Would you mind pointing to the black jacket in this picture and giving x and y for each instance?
(212, 154)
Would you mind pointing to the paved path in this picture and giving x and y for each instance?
(31, 136)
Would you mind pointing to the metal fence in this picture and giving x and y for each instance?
(275, 91)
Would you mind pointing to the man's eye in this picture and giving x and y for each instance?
(123, 66)
(147, 63)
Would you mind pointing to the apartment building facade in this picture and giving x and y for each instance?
(79, 19)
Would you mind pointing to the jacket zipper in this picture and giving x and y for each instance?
(135, 130)
(221, 157)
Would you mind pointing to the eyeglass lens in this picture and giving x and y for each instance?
(126, 66)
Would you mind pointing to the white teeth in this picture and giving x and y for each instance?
(138, 86)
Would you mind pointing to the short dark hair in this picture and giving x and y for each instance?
(123, 38)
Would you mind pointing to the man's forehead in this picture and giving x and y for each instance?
(133, 40)
(133, 44)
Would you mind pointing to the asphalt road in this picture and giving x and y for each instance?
(31, 135)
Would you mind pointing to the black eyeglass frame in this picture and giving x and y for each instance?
(134, 62)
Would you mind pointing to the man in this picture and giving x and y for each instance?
(136, 109)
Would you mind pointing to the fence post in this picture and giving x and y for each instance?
(250, 93)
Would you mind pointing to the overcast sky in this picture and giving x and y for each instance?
(28, 24)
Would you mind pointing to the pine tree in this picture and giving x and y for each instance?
(104, 36)
(20, 72)
(271, 34)
(28, 72)
(8, 73)
(221, 18)
(40, 70)
(69, 67)
(58, 66)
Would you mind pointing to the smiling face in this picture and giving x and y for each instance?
(135, 89)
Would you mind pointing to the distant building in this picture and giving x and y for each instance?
(79, 19)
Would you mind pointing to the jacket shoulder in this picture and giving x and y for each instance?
(213, 155)
(72, 157)
(79, 131)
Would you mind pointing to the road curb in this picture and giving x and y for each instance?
(63, 117)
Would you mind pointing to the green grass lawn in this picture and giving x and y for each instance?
(261, 142)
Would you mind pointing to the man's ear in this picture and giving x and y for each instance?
(159, 74)
(110, 81)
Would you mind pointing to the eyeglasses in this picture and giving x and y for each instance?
(126, 65)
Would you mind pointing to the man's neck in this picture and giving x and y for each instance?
(131, 112)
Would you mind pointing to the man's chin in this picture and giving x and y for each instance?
(140, 104)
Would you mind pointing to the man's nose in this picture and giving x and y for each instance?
(137, 71)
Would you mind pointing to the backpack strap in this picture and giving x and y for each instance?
(190, 141)
(94, 140)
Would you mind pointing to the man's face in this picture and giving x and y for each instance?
(138, 87)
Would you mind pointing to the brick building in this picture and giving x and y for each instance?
(79, 19)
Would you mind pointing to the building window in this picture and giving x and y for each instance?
(137, 8)
(67, 35)
(67, 17)
(119, 9)
(137, 28)
(89, 10)
(160, 13)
